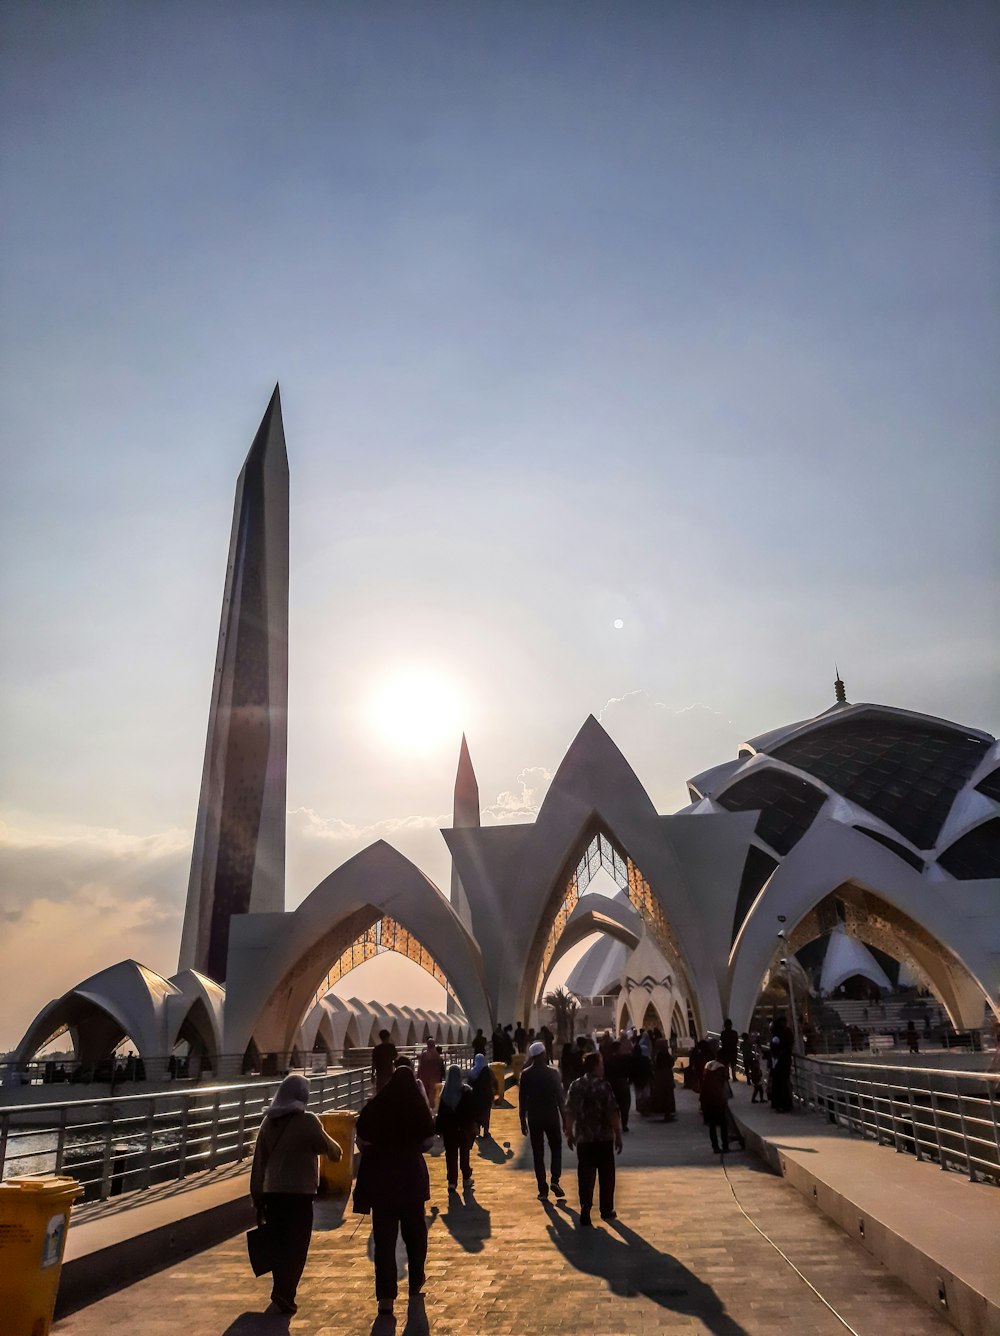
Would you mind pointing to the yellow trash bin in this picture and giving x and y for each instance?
(499, 1070)
(336, 1179)
(34, 1219)
(517, 1063)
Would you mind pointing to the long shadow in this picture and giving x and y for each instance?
(329, 1213)
(416, 1321)
(492, 1150)
(629, 1266)
(467, 1221)
(269, 1323)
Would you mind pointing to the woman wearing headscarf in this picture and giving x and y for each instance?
(480, 1080)
(392, 1181)
(456, 1124)
(285, 1178)
(430, 1071)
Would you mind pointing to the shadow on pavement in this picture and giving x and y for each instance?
(329, 1213)
(631, 1266)
(467, 1221)
(492, 1150)
(386, 1324)
(268, 1323)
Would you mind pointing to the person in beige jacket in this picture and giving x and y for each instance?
(285, 1178)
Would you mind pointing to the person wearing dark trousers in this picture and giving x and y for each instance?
(480, 1081)
(285, 1179)
(729, 1048)
(541, 1104)
(618, 1069)
(593, 1125)
(393, 1183)
(714, 1097)
(457, 1123)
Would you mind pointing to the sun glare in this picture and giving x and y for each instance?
(417, 710)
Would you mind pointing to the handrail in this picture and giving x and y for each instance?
(942, 1115)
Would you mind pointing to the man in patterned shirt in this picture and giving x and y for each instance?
(594, 1124)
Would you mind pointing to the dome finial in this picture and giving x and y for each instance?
(839, 688)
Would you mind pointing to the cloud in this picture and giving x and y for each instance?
(522, 802)
(75, 899)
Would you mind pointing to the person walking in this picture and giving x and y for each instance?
(521, 1039)
(662, 1098)
(284, 1180)
(480, 1080)
(479, 1044)
(782, 1100)
(541, 1105)
(457, 1122)
(570, 1064)
(618, 1069)
(393, 1183)
(548, 1039)
(430, 1071)
(383, 1058)
(714, 1096)
(755, 1075)
(729, 1047)
(594, 1126)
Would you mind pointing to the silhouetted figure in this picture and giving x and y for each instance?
(714, 1096)
(480, 1080)
(662, 1099)
(755, 1074)
(521, 1038)
(541, 1105)
(781, 1066)
(570, 1064)
(548, 1039)
(383, 1060)
(285, 1179)
(479, 1043)
(499, 1042)
(729, 1043)
(912, 1038)
(618, 1070)
(392, 1181)
(593, 1125)
(430, 1071)
(457, 1123)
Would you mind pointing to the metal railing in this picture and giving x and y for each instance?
(128, 1142)
(947, 1117)
(124, 1143)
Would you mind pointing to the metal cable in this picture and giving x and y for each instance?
(843, 1321)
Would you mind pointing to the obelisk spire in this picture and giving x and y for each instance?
(238, 858)
(466, 814)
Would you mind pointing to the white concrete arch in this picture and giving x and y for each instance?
(277, 961)
(950, 930)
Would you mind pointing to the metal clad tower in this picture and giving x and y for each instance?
(466, 814)
(238, 858)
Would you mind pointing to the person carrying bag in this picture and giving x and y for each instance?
(283, 1182)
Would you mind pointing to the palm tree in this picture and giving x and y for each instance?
(565, 1006)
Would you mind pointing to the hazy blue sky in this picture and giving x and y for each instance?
(677, 314)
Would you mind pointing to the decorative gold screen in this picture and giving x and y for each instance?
(385, 934)
(601, 852)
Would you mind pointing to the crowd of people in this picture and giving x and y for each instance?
(584, 1102)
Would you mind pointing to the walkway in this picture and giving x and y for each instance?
(682, 1258)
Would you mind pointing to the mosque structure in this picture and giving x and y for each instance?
(871, 823)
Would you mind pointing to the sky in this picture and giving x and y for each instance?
(635, 360)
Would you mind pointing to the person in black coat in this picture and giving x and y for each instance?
(457, 1123)
(480, 1081)
(392, 1181)
(617, 1072)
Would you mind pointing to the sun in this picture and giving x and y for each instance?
(416, 710)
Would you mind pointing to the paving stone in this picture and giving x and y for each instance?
(680, 1259)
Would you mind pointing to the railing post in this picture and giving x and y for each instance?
(213, 1144)
(965, 1135)
(182, 1149)
(4, 1128)
(937, 1129)
(147, 1155)
(109, 1127)
(241, 1130)
(913, 1119)
(61, 1140)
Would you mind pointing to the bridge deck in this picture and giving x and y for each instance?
(681, 1258)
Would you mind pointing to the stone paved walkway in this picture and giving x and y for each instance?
(681, 1258)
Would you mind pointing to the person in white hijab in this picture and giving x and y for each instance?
(285, 1178)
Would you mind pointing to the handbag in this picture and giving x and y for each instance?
(260, 1246)
(260, 1241)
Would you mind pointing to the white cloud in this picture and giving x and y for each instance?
(523, 801)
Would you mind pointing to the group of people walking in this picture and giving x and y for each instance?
(585, 1102)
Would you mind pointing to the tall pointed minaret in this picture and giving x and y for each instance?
(466, 814)
(839, 688)
(238, 858)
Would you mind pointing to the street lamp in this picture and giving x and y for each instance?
(787, 962)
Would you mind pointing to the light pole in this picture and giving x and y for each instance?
(787, 962)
